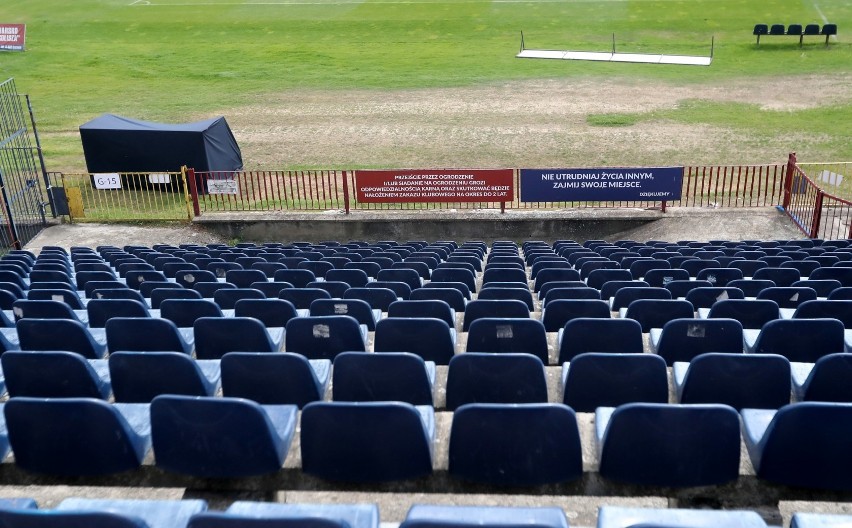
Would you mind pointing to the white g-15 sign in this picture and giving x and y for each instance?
(107, 180)
(228, 186)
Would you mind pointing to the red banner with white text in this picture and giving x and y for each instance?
(441, 185)
(12, 37)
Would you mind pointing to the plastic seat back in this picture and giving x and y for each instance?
(339, 439)
(759, 381)
(507, 308)
(72, 436)
(144, 335)
(139, 377)
(51, 374)
(239, 437)
(216, 336)
(669, 445)
(270, 379)
(684, 339)
(494, 334)
(390, 376)
(599, 335)
(323, 337)
(58, 334)
(430, 338)
(495, 378)
(486, 439)
(102, 310)
(801, 340)
(607, 380)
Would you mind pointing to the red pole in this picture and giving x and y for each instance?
(193, 191)
(788, 179)
(346, 191)
(817, 215)
(663, 207)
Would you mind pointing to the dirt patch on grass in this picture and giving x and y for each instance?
(524, 123)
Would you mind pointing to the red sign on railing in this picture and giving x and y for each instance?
(443, 185)
(12, 37)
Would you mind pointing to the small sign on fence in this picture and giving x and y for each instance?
(12, 37)
(443, 185)
(107, 180)
(223, 186)
(601, 185)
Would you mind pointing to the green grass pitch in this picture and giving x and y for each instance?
(168, 59)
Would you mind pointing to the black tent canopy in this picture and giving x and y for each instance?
(114, 143)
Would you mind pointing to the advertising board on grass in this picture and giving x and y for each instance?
(442, 185)
(601, 185)
(12, 37)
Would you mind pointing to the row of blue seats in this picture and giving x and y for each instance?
(589, 381)
(801, 444)
(108, 513)
(324, 337)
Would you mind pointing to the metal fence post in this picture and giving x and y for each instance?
(817, 219)
(346, 191)
(193, 190)
(788, 179)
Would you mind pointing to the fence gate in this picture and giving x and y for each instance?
(22, 195)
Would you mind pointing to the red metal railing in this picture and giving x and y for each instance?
(817, 213)
(703, 186)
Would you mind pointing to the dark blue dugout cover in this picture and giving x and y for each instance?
(113, 143)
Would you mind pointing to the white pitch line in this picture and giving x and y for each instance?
(191, 4)
(821, 14)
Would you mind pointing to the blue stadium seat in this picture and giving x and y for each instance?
(135, 334)
(303, 297)
(389, 376)
(109, 513)
(625, 296)
(339, 439)
(800, 340)
(452, 296)
(243, 513)
(244, 278)
(231, 437)
(54, 374)
(822, 309)
(216, 336)
(719, 277)
(318, 267)
(838, 273)
(579, 292)
(478, 309)
(748, 267)
(427, 516)
(492, 292)
(824, 288)
(466, 277)
(504, 275)
(788, 297)
(554, 275)
(780, 276)
(610, 288)
(377, 298)
(626, 517)
(515, 444)
(299, 278)
(139, 377)
(18, 504)
(118, 293)
(460, 286)
(336, 289)
(355, 278)
(148, 287)
(359, 310)
(819, 520)
(59, 334)
(802, 444)
(684, 339)
(135, 278)
(597, 278)
(184, 312)
(27, 309)
(76, 436)
(655, 313)
(751, 313)
(424, 308)
(661, 277)
(324, 337)
(274, 379)
(430, 338)
(560, 311)
(71, 298)
(599, 335)
(408, 276)
(227, 298)
(826, 380)
(496, 334)
(669, 445)
(80, 278)
(270, 312)
(495, 378)
(706, 297)
(759, 381)
(681, 288)
(102, 310)
(593, 380)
